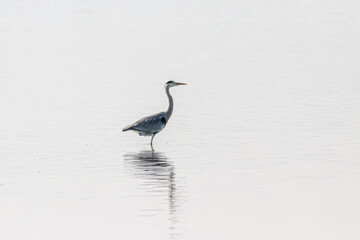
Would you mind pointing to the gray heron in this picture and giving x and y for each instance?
(152, 125)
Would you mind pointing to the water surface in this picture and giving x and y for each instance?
(263, 142)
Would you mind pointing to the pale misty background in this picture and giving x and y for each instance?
(263, 143)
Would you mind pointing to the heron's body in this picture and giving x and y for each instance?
(148, 126)
(151, 125)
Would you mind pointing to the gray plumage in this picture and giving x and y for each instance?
(151, 125)
(148, 126)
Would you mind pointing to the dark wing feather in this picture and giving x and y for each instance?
(149, 125)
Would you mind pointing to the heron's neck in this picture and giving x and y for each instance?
(171, 104)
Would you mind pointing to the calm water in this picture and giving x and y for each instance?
(264, 142)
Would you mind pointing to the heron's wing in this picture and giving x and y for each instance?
(150, 124)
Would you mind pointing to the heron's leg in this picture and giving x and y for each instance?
(152, 142)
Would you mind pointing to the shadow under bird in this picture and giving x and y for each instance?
(152, 125)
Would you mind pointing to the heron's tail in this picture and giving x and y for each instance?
(126, 128)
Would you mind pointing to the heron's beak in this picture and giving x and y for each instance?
(178, 84)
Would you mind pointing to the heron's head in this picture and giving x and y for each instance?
(173, 84)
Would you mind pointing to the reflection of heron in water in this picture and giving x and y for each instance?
(158, 173)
